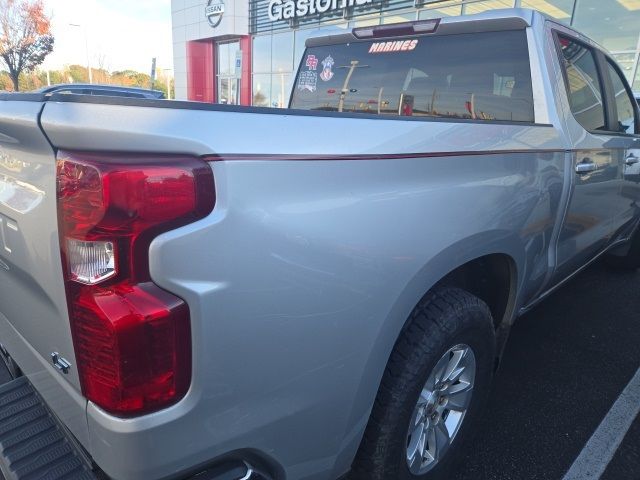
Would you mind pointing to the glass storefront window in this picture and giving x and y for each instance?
(227, 90)
(280, 89)
(282, 52)
(559, 9)
(399, 17)
(480, 7)
(636, 82)
(271, 90)
(613, 24)
(261, 90)
(227, 57)
(368, 21)
(224, 61)
(440, 12)
(300, 37)
(261, 53)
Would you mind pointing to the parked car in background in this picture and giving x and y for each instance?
(193, 289)
(102, 90)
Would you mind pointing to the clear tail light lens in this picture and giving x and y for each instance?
(90, 262)
(132, 339)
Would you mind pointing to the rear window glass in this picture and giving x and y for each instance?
(480, 76)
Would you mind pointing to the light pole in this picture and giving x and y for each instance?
(281, 99)
(345, 86)
(86, 43)
(168, 77)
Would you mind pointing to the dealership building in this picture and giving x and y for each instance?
(246, 51)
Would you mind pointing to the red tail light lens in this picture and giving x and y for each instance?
(132, 339)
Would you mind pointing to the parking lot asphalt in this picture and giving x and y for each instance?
(566, 363)
(626, 463)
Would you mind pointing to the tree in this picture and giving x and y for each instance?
(5, 81)
(78, 73)
(25, 36)
(131, 78)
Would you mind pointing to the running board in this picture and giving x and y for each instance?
(33, 445)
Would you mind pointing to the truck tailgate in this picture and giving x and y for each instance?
(33, 312)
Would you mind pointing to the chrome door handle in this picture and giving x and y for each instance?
(586, 166)
(631, 159)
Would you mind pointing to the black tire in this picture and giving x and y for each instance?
(444, 318)
(629, 262)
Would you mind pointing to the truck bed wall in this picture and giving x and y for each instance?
(304, 274)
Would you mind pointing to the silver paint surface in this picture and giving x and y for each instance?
(33, 311)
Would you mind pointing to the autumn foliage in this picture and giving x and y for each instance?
(25, 36)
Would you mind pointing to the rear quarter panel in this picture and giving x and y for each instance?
(301, 279)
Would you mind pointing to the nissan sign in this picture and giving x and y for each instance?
(289, 9)
(214, 11)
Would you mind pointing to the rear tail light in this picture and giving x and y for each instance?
(90, 262)
(397, 29)
(132, 339)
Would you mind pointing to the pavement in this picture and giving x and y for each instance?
(626, 462)
(566, 364)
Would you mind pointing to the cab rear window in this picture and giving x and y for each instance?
(479, 76)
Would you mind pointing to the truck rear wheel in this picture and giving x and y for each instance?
(436, 381)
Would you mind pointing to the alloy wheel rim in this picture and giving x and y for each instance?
(441, 408)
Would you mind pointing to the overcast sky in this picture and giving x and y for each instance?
(122, 34)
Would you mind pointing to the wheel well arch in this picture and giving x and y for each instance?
(492, 278)
(491, 274)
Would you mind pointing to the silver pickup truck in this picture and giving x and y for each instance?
(207, 291)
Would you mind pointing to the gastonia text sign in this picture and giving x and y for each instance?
(289, 9)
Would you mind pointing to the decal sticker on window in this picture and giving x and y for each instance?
(406, 105)
(312, 62)
(308, 80)
(395, 46)
(327, 65)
